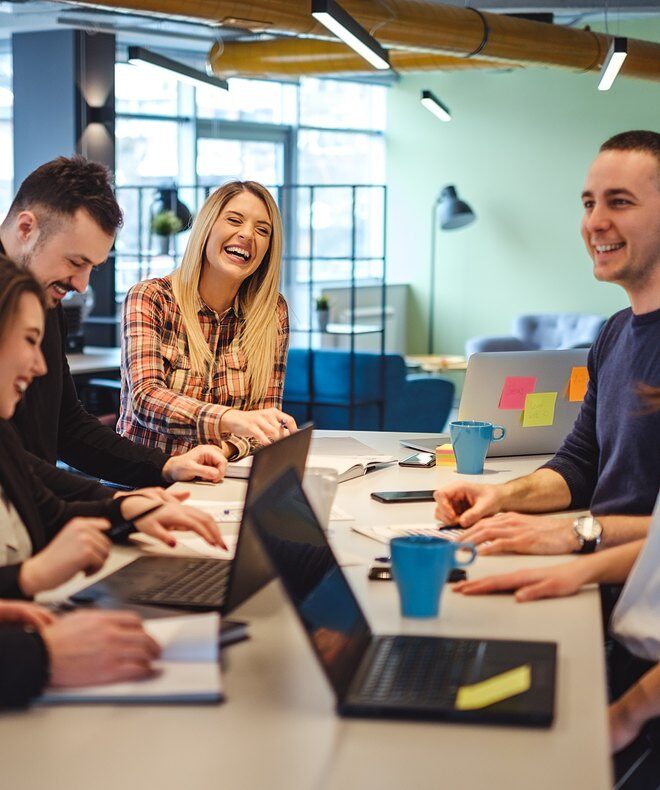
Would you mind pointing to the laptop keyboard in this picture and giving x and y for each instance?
(200, 583)
(409, 670)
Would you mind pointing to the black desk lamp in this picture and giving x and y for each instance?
(450, 213)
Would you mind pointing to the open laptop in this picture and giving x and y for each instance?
(484, 381)
(200, 584)
(388, 676)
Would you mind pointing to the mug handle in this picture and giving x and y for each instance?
(468, 547)
(501, 436)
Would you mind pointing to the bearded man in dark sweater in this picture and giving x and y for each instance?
(61, 225)
(610, 462)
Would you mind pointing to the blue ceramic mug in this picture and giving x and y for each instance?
(470, 440)
(420, 566)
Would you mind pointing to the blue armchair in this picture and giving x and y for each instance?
(411, 403)
(547, 330)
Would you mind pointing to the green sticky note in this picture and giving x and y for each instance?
(539, 409)
(495, 689)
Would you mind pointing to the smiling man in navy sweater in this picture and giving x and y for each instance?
(610, 462)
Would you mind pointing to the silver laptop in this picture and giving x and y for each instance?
(485, 380)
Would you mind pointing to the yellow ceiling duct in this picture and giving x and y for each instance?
(295, 57)
(422, 25)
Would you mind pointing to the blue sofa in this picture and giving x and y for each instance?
(543, 331)
(411, 402)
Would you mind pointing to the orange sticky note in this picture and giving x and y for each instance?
(577, 386)
(539, 409)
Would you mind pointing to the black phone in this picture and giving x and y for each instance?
(419, 460)
(402, 496)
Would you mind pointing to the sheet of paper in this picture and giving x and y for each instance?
(514, 391)
(577, 386)
(188, 670)
(385, 533)
(232, 512)
(539, 409)
(500, 687)
(188, 544)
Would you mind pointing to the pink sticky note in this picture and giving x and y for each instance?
(515, 390)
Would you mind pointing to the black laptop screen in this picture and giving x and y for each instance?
(318, 589)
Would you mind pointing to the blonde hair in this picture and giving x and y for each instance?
(257, 295)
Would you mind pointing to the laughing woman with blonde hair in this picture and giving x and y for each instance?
(204, 350)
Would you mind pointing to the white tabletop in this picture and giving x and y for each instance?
(278, 729)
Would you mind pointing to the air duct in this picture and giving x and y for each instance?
(422, 25)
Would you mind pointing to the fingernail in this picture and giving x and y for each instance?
(171, 543)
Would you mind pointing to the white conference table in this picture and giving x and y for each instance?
(277, 727)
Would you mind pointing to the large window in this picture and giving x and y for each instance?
(6, 133)
(299, 136)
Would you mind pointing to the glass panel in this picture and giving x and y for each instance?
(249, 100)
(220, 160)
(146, 151)
(342, 105)
(139, 89)
(340, 158)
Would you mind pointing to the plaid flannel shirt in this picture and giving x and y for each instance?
(163, 402)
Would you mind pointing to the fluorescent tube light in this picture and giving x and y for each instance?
(342, 24)
(434, 105)
(616, 54)
(181, 71)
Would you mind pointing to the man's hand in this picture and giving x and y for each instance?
(531, 584)
(172, 515)
(465, 503)
(79, 546)
(516, 533)
(205, 462)
(25, 613)
(87, 648)
(264, 425)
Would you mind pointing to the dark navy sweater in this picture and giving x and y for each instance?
(611, 458)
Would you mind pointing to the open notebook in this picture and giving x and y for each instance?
(347, 466)
(188, 669)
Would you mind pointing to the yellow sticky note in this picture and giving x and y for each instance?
(539, 409)
(577, 386)
(444, 455)
(495, 689)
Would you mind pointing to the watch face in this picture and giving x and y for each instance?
(589, 528)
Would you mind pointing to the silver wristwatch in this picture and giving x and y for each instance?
(589, 532)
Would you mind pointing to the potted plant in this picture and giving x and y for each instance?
(165, 224)
(322, 312)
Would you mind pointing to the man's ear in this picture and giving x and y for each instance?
(27, 227)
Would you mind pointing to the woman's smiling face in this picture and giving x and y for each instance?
(239, 238)
(21, 359)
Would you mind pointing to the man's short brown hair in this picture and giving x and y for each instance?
(60, 187)
(636, 140)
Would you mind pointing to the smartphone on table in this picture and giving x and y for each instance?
(419, 461)
(392, 497)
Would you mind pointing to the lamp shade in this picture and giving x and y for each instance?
(452, 211)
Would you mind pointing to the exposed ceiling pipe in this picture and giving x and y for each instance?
(295, 57)
(422, 25)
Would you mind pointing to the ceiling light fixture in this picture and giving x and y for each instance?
(434, 105)
(182, 72)
(332, 15)
(616, 54)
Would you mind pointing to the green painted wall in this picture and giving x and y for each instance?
(517, 150)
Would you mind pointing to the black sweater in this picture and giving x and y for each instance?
(23, 656)
(53, 424)
(611, 458)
